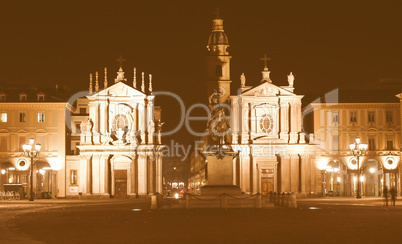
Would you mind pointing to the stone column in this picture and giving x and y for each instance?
(142, 121)
(294, 173)
(158, 180)
(293, 123)
(255, 176)
(150, 119)
(284, 134)
(285, 173)
(142, 174)
(245, 172)
(95, 174)
(245, 137)
(133, 176)
(235, 120)
(303, 179)
(89, 175)
(151, 161)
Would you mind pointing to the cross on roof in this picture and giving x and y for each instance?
(120, 60)
(265, 59)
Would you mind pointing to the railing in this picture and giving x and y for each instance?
(9, 195)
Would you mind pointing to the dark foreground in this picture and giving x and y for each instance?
(131, 221)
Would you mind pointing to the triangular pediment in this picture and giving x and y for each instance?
(267, 89)
(119, 89)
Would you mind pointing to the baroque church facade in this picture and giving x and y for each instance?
(265, 129)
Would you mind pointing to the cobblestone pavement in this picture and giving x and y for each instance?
(329, 220)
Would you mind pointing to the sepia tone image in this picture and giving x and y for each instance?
(200, 122)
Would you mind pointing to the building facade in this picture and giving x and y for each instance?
(336, 126)
(25, 114)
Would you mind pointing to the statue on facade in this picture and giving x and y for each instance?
(242, 80)
(291, 79)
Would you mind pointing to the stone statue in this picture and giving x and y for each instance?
(218, 125)
(291, 79)
(242, 80)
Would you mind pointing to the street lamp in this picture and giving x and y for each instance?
(358, 149)
(31, 150)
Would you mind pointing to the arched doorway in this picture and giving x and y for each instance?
(335, 178)
(372, 178)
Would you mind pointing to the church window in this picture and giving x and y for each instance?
(120, 122)
(266, 123)
(218, 71)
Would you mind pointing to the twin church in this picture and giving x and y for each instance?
(112, 145)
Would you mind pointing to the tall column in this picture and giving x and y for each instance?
(133, 178)
(150, 119)
(313, 170)
(303, 179)
(244, 123)
(245, 172)
(142, 119)
(151, 161)
(158, 180)
(294, 173)
(106, 174)
(235, 120)
(142, 174)
(284, 134)
(285, 173)
(293, 123)
(255, 177)
(95, 174)
(89, 175)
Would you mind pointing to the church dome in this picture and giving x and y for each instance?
(218, 38)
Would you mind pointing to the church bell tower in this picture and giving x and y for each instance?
(218, 61)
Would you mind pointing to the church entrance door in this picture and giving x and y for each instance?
(120, 182)
(267, 181)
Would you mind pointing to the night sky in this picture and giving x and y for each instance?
(326, 44)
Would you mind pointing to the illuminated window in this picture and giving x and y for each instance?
(41, 117)
(120, 122)
(266, 123)
(3, 117)
(73, 177)
(23, 117)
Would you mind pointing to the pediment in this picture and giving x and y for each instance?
(119, 89)
(267, 89)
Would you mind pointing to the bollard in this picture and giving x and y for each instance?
(154, 202)
(283, 199)
(287, 200)
(294, 202)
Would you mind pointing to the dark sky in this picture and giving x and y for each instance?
(326, 44)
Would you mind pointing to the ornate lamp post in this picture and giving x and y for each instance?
(31, 150)
(358, 149)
